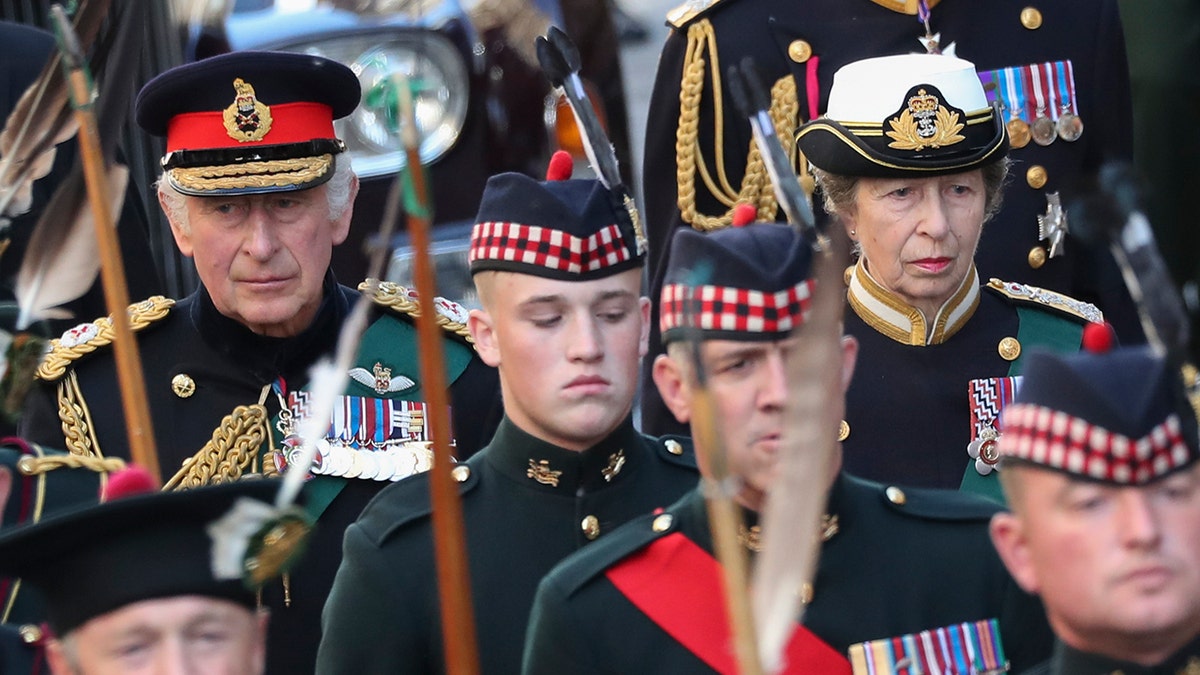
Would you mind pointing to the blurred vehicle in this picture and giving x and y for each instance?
(482, 103)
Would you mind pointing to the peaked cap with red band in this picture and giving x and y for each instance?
(249, 122)
(1120, 418)
(574, 230)
(741, 283)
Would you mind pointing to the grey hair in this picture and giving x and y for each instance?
(838, 192)
(337, 194)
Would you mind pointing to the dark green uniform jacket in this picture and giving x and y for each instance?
(526, 505)
(1068, 661)
(802, 43)
(900, 563)
(909, 403)
(228, 368)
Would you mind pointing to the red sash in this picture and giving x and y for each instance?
(678, 586)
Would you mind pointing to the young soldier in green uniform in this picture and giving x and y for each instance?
(910, 158)
(258, 191)
(1099, 454)
(132, 585)
(894, 562)
(558, 267)
(700, 160)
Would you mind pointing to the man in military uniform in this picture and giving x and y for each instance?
(1100, 469)
(558, 267)
(894, 562)
(258, 193)
(37, 483)
(700, 162)
(134, 585)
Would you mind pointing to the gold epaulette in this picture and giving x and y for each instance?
(452, 317)
(700, 65)
(679, 16)
(1056, 301)
(88, 337)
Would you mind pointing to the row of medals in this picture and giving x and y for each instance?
(1044, 130)
(390, 464)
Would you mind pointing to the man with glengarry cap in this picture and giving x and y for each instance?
(898, 567)
(558, 268)
(1099, 453)
(258, 190)
(131, 584)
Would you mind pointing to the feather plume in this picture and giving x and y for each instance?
(62, 261)
(42, 119)
(792, 517)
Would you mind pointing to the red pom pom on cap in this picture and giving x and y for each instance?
(130, 481)
(744, 214)
(561, 166)
(1098, 338)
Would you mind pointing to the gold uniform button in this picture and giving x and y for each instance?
(895, 495)
(847, 275)
(27, 466)
(843, 430)
(461, 473)
(30, 634)
(1031, 18)
(1036, 176)
(662, 523)
(1009, 349)
(1037, 257)
(799, 51)
(590, 527)
(674, 447)
(183, 385)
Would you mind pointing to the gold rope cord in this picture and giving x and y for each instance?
(395, 296)
(35, 466)
(233, 448)
(273, 173)
(76, 419)
(756, 182)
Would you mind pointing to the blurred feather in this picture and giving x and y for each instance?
(42, 119)
(791, 522)
(62, 261)
(62, 258)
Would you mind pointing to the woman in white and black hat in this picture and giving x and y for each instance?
(911, 158)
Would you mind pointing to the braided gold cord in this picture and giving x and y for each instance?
(394, 296)
(233, 447)
(273, 173)
(33, 466)
(76, 420)
(141, 314)
(689, 159)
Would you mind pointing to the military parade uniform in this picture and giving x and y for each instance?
(894, 563)
(526, 505)
(45, 482)
(1068, 661)
(918, 402)
(698, 157)
(215, 391)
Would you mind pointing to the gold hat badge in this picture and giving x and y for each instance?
(246, 119)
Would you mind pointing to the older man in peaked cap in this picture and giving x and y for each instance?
(258, 190)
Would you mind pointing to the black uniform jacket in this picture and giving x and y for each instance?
(1069, 661)
(809, 40)
(909, 403)
(229, 367)
(526, 505)
(902, 561)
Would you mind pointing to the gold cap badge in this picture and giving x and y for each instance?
(246, 119)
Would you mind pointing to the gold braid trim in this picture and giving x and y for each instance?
(232, 449)
(1191, 385)
(273, 173)
(396, 297)
(141, 314)
(756, 182)
(34, 466)
(78, 434)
